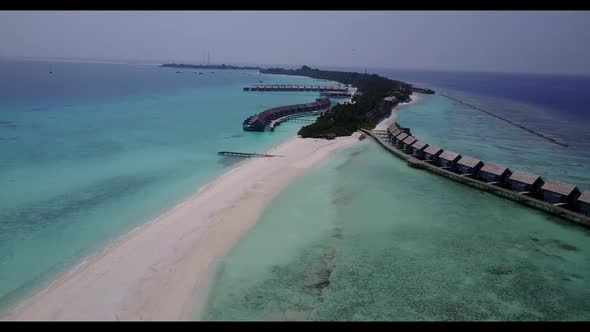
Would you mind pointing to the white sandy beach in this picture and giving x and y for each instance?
(395, 111)
(162, 270)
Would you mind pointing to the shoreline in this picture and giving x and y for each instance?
(383, 125)
(162, 269)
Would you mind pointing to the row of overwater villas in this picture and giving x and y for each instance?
(261, 121)
(335, 93)
(550, 191)
(286, 87)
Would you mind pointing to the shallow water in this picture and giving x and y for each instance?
(94, 150)
(364, 237)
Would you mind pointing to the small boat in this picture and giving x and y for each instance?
(200, 73)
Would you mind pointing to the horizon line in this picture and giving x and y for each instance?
(269, 65)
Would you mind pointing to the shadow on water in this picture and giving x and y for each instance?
(228, 161)
(57, 212)
(60, 209)
(352, 155)
(7, 124)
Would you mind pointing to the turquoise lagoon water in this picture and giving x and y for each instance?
(450, 125)
(97, 149)
(365, 237)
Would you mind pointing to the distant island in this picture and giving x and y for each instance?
(368, 106)
(187, 66)
(375, 97)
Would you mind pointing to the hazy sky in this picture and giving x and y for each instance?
(539, 41)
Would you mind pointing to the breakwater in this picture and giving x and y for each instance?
(552, 140)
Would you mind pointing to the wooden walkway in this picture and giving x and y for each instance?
(290, 87)
(308, 121)
(246, 154)
(294, 118)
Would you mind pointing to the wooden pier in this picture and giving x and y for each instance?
(336, 94)
(294, 118)
(246, 154)
(519, 197)
(287, 87)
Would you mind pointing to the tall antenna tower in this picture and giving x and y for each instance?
(208, 58)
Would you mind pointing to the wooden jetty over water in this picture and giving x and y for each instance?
(246, 154)
(557, 198)
(336, 94)
(294, 118)
(291, 87)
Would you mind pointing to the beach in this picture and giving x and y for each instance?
(162, 270)
(394, 113)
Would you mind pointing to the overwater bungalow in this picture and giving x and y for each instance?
(391, 135)
(261, 121)
(559, 193)
(397, 140)
(584, 203)
(448, 159)
(524, 182)
(469, 166)
(392, 129)
(418, 149)
(431, 153)
(494, 173)
(405, 129)
(407, 143)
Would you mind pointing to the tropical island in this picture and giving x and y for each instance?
(223, 66)
(369, 105)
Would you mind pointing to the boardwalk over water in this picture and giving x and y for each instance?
(577, 218)
(294, 118)
(286, 87)
(246, 154)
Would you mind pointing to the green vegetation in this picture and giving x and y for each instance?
(366, 108)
